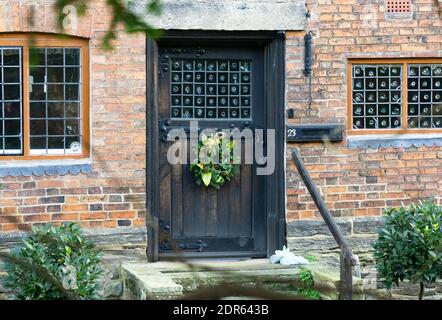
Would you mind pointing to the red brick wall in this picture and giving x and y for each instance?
(358, 181)
(114, 193)
(354, 182)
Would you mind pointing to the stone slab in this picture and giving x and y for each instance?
(364, 225)
(324, 244)
(216, 265)
(140, 282)
(305, 228)
(246, 15)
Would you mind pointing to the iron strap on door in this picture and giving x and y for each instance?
(167, 244)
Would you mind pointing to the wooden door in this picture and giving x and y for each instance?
(220, 87)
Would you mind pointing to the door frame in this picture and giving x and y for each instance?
(273, 43)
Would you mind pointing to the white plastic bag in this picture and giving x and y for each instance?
(285, 257)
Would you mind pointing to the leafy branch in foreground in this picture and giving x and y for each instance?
(121, 15)
(40, 271)
(53, 262)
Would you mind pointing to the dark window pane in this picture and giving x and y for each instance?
(37, 74)
(12, 92)
(55, 127)
(38, 109)
(11, 75)
(72, 92)
(12, 127)
(55, 110)
(55, 92)
(72, 74)
(72, 127)
(55, 143)
(37, 92)
(38, 143)
(55, 74)
(37, 56)
(72, 110)
(38, 127)
(12, 110)
(72, 142)
(424, 100)
(200, 93)
(55, 57)
(374, 95)
(11, 57)
(12, 143)
(72, 56)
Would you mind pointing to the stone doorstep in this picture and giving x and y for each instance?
(217, 265)
(278, 279)
(168, 280)
(142, 282)
(327, 282)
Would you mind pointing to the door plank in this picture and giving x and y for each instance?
(165, 189)
(188, 201)
(223, 199)
(199, 211)
(235, 205)
(212, 214)
(177, 200)
(246, 200)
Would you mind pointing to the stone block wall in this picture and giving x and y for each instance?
(312, 237)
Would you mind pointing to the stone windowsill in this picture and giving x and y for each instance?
(44, 167)
(394, 140)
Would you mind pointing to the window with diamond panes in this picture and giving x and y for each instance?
(55, 101)
(424, 90)
(11, 137)
(210, 89)
(377, 96)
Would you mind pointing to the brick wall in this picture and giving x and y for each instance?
(114, 193)
(358, 182)
(354, 182)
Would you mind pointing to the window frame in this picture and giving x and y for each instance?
(26, 41)
(404, 62)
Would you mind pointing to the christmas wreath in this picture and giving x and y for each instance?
(214, 163)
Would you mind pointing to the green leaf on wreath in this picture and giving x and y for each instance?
(206, 177)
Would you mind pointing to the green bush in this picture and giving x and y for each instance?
(409, 245)
(65, 253)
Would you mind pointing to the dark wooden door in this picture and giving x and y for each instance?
(220, 87)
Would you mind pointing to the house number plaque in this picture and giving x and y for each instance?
(314, 132)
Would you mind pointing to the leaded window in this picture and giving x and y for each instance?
(44, 97)
(11, 141)
(395, 95)
(377, 96)
(55, 100)
(210, 89)
(424, 96)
